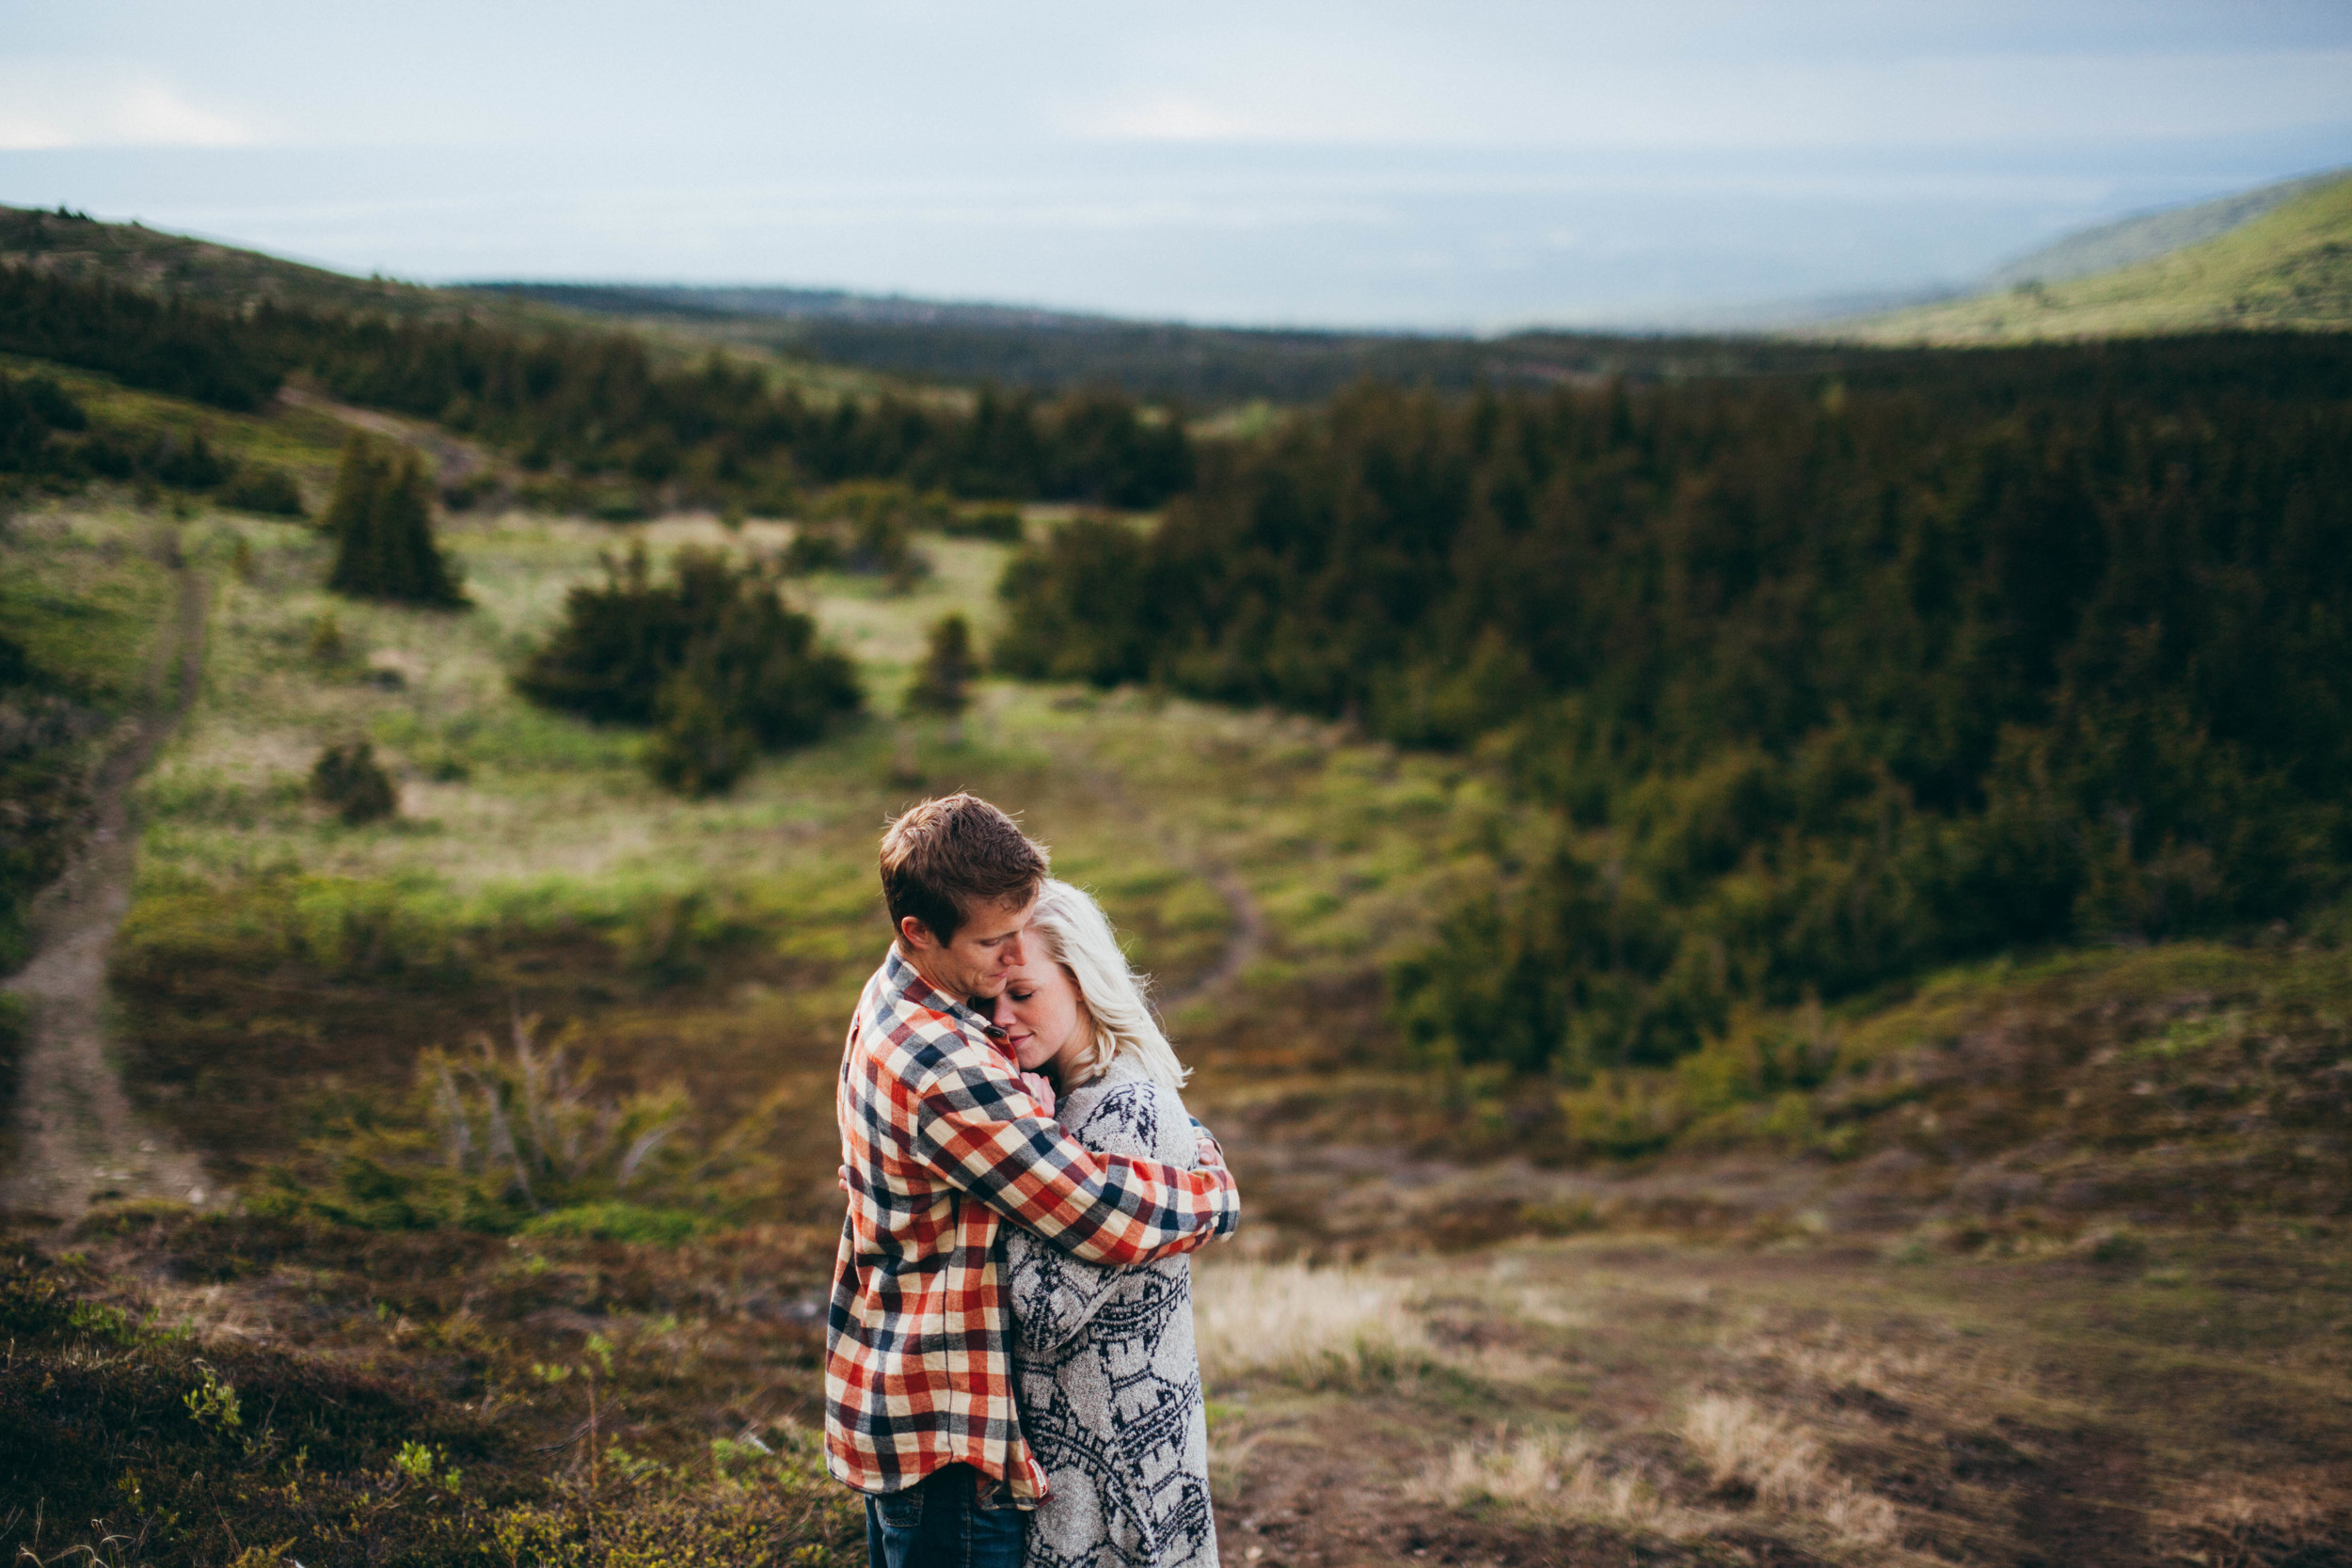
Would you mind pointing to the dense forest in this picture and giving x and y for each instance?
(1827, 679)
(589, 404)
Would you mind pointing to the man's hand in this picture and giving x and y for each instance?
(1040, 1089)
(1210, 1156)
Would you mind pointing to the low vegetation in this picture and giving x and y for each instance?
(173, 1424)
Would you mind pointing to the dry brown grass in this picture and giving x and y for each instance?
(1314, 1326)
(1556, 1475)
(1748, 1449)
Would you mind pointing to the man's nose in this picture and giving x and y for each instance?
(1013, 957)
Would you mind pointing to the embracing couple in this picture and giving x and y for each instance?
(1010, 1373)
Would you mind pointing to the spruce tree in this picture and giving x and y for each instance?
(381, 518)
(942, 683)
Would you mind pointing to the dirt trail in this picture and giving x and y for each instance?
(1247, 939)
(76, 1138)
(1241, 948)
(455, 461)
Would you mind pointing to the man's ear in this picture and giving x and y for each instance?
(915, 934)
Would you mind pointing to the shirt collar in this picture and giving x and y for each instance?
(903, 978)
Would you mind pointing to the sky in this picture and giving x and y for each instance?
(1454, 165)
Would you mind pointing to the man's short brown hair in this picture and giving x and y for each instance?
(948, 856)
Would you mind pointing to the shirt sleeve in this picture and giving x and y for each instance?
(1054, 1297)
(978, 1128)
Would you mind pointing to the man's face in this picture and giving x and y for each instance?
(974, 962)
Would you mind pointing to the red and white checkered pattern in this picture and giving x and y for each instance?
(943, 1145)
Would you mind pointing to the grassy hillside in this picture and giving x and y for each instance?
(2130, 241)
(2288, 269)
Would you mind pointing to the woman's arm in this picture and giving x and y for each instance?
(1055, 1296)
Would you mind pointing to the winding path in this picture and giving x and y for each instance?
(77, 1140)
(1242, 947)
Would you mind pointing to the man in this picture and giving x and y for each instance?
(942, 1145)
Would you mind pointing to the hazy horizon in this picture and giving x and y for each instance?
(1300, 164)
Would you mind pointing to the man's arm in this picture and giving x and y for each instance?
(978, 1128)
(1054, 1297)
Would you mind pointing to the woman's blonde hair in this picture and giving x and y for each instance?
(1077, 936)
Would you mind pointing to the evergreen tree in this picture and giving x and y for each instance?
(942, 683)
(381, 520)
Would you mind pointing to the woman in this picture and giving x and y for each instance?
(1103, 1358)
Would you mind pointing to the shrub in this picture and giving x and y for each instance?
(497, 1140)
(348, 778)
(867, 529)
(265, 488)
(191, 465)
(1987, 652)
(712, 657)
(381, 521)
(1080, 605)
(699, 746)
(943, 682)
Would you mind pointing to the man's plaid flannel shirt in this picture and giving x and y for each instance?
(943, 1145)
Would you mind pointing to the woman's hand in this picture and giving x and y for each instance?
(1040, 1090)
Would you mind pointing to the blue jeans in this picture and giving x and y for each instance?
(943, 1521)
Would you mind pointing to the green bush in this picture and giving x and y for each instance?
(349, 779)
(867, 529)
(943, 682)
(711, 658)
(699, 746)
(1081, 607)
(265, 488)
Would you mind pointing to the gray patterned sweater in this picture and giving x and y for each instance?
(1103, 1364)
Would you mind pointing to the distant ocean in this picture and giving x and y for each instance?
(1217, 233)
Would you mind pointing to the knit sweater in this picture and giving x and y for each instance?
(1104, 1365)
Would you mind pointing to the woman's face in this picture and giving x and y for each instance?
(1044, 1023)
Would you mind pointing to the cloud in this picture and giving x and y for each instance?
(1465, 90)
(46, 104)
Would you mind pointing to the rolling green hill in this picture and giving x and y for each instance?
(2291, 268)
(2128, 242)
